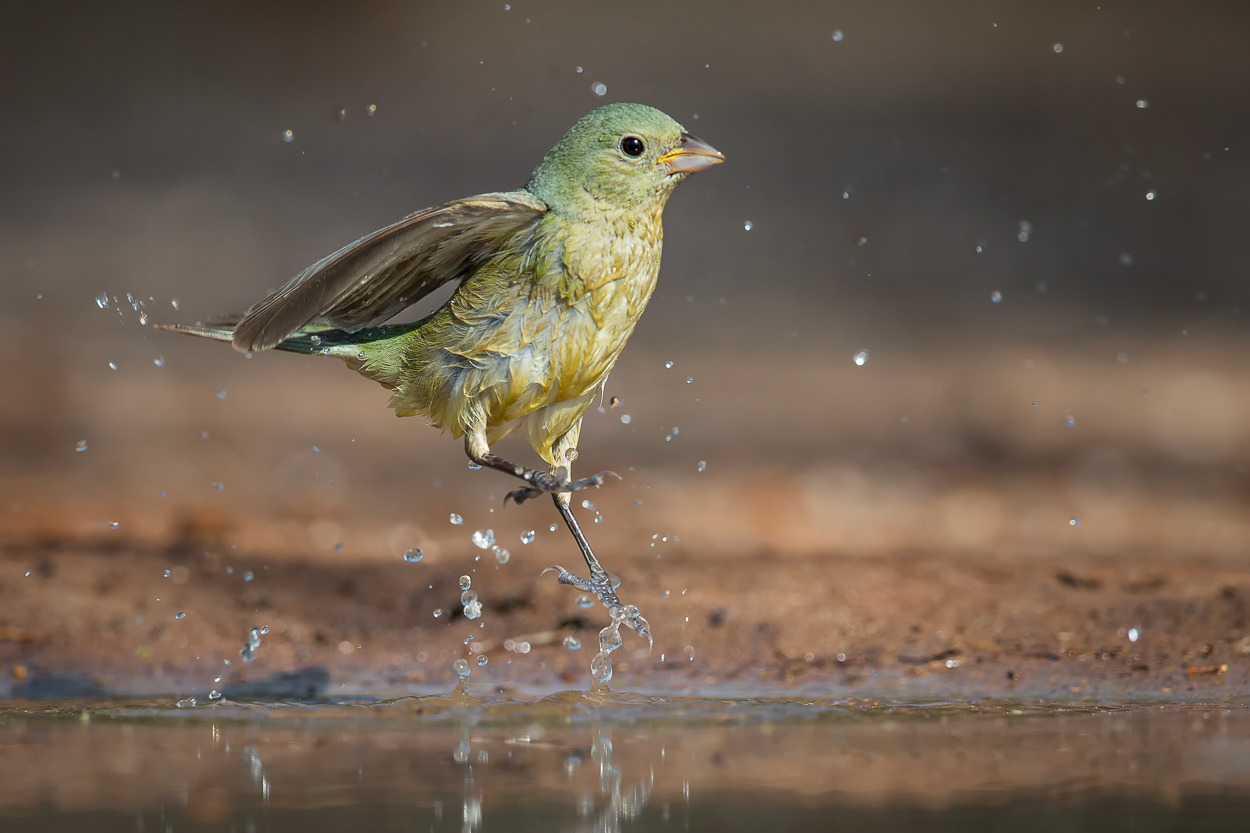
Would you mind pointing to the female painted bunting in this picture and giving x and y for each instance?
(552, 279)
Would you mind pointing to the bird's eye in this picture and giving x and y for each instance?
(632, 146)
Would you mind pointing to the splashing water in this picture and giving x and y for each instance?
(248, 653)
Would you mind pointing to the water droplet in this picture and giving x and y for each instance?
(371, 110)
(112, 365)
(501, 554)
(861, 240)
(1025, 232)
(180, 615)
(215, 694)
(461, 667)
(571, 642)
(484, 539)
(837, 35)
(314, 339)
(1074, 521)
(601, 669)
(860, 358)
(468, 597)
(82, 446)
(159, 361)
(610, 637)
(143, 316)
(102, 300)
(702, 466)
(747, 225)
(438, 612)
(626, 419)
(173, 302)
(1142, 103)
(980, 248)
(248, 653)
(585, 600)
(996, 297)
(482, 659)
(473, 610)
(1133, 634)
(668, 365)
(113, 524)
(341, 114)
(221, 393)
(587, 503)
(413, 555)
(1069, 420)
(1058, 47)
(1150, 195)
(465, 582)
(288, 135)
(579, 70)
(455, 519)
(528, 536)
(599, 88)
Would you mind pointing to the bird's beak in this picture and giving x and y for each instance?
(693, 154)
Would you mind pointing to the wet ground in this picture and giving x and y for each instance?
(1023, 558)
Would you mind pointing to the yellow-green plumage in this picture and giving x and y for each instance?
(551, 282)
(529, 341)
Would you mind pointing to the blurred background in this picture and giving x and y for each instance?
(971, 285)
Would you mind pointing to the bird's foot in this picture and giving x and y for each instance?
(600, 584)
(543, 483)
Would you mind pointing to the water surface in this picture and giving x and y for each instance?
(622, 762)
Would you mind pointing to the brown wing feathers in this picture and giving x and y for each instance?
(376, 277)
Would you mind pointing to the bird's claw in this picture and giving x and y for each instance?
(602, 587)
(543, 483)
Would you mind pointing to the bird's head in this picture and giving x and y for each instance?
(626, 156)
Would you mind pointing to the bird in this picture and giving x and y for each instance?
(551, 280)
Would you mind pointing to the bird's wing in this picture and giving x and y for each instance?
(382, 273)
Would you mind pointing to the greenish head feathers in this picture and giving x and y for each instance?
(611, 157)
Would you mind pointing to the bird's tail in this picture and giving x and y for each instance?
(306, 340)
(363, 350)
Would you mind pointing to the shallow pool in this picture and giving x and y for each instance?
(580, 761)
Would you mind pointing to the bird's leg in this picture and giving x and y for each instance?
(599, 583)
(537, 482)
